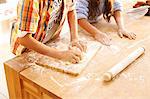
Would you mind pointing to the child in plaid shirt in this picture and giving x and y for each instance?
(39, 21)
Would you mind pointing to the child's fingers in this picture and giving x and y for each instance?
(80, 47)
(120, 34)
(107, 42)
(129, 36)
(76, 58)
(133, 36)
(76, 44)
(73, 61)
(84, 47)
(77, 52)
(103, 39)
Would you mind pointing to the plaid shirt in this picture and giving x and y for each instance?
(39, 17)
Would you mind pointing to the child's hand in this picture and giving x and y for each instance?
(123, 32)
(79, 44)
(72, 55)
(103, 38)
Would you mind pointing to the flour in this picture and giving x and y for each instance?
(63, 44)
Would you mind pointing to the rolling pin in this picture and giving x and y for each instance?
(122, 64)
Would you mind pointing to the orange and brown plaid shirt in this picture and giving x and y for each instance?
(38, 17)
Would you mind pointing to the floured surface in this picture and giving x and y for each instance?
(66, 67)
(132, 83)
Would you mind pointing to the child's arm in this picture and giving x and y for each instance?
(98, 35)
(73, 25)
(28, 41)
(121, 29)
(72, 20)
(28, 22)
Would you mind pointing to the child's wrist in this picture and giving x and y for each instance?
(55, 54)
(121, 28)
(59, 55)
(120, 25)
(95, 34)
(74, 40)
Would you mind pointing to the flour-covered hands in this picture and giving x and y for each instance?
(79, 44)
(72, 55)
(124, 32)
(103, 38)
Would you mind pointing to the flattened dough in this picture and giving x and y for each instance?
(74, 69)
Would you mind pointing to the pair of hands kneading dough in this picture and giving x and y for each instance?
(75, 53)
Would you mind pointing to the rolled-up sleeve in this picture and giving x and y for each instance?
(28, 16)
(118, 5)
(82, 9)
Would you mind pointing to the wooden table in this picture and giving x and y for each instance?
(31, 81)
(35, 82)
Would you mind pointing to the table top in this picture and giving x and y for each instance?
(133, 82)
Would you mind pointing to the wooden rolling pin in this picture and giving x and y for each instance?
(122, 64)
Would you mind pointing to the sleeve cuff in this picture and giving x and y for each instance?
(81, 16)
(23, 33)
(118, 6)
